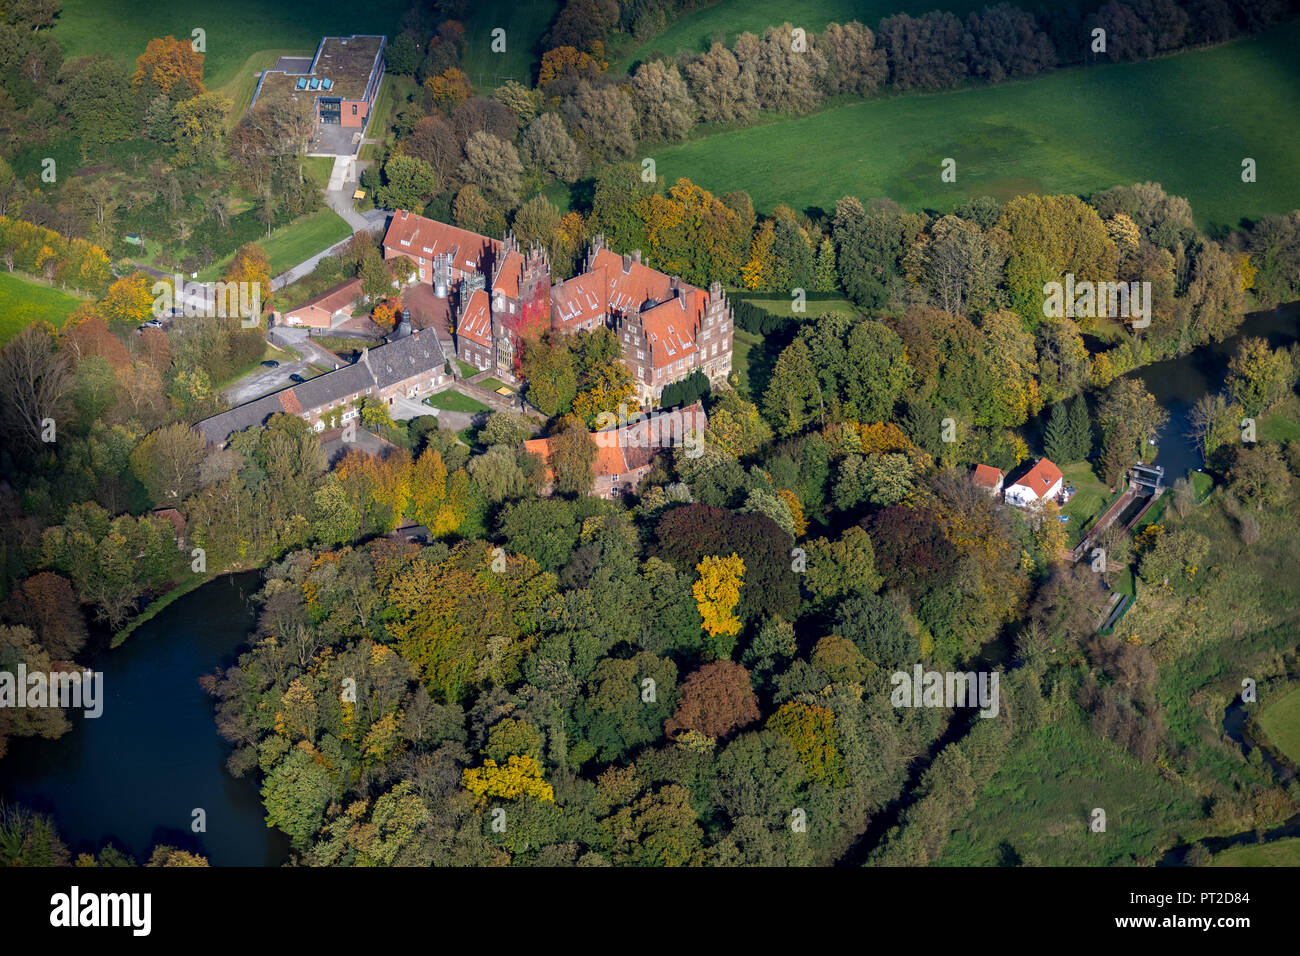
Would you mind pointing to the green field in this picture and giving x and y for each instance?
(696, 31)
(524, 24)
(1185, 121)
(1037, 805)
(23, 302)
(453, 401)
(1278, 853)
(1090, 499)
(296, 242)
(235, 29)
(1280, 722)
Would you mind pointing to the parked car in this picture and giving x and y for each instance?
(153, 324)
(295, 377)
(270, 363)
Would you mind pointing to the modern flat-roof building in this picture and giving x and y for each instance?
(341, 81)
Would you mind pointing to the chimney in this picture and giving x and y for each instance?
(636, 256)
(672, 284)
(627, 264)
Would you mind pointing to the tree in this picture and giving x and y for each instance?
(716, 700)
(200, 128)
(811, 729)
(1128, 402)
(603, 119)
(1259, 476)
(662, 101)
(171, 67)
(1259, 377)
(167, 462)
(1118, 455)
(296, 793)
(573, 457)
(722, 90)
(1057, 436)
(855, 65)
(792, 399)
(129, 301)
(520, 776)
(449, 89)
(408, 183)
(493, 165)
(717, 592)
(1079, 428)
(35, 382)
(547, 146)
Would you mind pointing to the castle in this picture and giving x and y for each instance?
(501, 296)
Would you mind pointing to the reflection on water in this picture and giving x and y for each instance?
(135, 775)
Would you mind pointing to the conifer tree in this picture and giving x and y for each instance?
(1057, 439)
(1080, 429)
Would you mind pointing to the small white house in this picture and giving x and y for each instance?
(1043, 482)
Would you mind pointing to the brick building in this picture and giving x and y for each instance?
(625, 454)
(499, 295)
(410, 365)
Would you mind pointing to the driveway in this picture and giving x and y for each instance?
(264, 381)
(300, 341)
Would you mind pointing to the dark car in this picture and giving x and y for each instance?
(270, 363)
(295, 377)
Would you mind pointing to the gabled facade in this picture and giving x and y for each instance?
(410, 366)
(500, 296)
(1043, 482)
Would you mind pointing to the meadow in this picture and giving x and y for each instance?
(1277, 853)
(722, 21)
(294, 242)
(1280, 721)
(235, 30)
(23, 303)
(1185, 121)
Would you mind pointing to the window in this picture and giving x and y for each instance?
(354, 109)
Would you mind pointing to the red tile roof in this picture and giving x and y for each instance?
(1040, 478)
(475, 322)
(507, 278)
(986, 476)
(620, 451)
(290, 402)
(332, 300)
(418, 236)
(670, 320)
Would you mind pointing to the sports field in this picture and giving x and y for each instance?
(523, 23)
(23, 302)
(1185, 121)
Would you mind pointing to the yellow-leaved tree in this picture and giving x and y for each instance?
(518, 777)
(717, 593)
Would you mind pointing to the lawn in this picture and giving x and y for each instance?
(23, 302)
(295, 242)
(1091, 498)
(496, 383)
(1277, 853)
(741, 344)
(524, 23)
(818, 303)
(1185, 121)
(467, 370)
(1280, 721)
(235, 29)
(452, 401)
(1283, 423)
(723, 21)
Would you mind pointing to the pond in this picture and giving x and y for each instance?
(134, 775)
